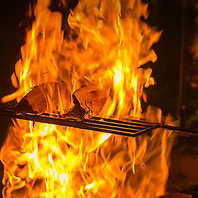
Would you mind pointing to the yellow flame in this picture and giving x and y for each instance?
(108, 43)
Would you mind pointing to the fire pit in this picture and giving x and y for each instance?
(107, 48)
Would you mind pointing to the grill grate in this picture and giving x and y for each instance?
(130, 128)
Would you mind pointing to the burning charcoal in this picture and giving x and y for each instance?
(91, 99)
(45, 97)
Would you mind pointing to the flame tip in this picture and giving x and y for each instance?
(101, 58)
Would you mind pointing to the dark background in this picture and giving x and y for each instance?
(174, 17)
(11, 38)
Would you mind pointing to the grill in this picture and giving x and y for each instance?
(125, 127)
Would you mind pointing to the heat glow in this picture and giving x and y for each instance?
(107, 44)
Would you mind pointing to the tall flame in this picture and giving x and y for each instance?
(108, 43)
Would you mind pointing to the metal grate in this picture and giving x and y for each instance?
(131, 128)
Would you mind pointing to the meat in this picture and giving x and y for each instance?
(45, 97)
(54, 96)
(91, 99)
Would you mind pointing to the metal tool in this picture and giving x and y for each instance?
(130, 128)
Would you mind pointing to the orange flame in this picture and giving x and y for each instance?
(108, 43)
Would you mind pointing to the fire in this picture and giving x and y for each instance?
(108, 43)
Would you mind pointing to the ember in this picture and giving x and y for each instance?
(99, 67)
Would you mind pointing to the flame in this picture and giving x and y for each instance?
(108, 43)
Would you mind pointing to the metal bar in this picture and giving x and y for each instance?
(179, 129)
(84, 124)
(117, 123)
(181, 75)
(130, 122)
(106, 125)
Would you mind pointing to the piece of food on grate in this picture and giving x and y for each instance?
(91, 99)
(55, 97)
(76, 112)
(46, 97)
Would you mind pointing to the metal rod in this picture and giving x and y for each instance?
(106, 125)
(130, 122)
(181, 75)
(179, 129)
(118, 123)
(84, 124)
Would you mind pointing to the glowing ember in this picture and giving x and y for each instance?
(111, 43)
